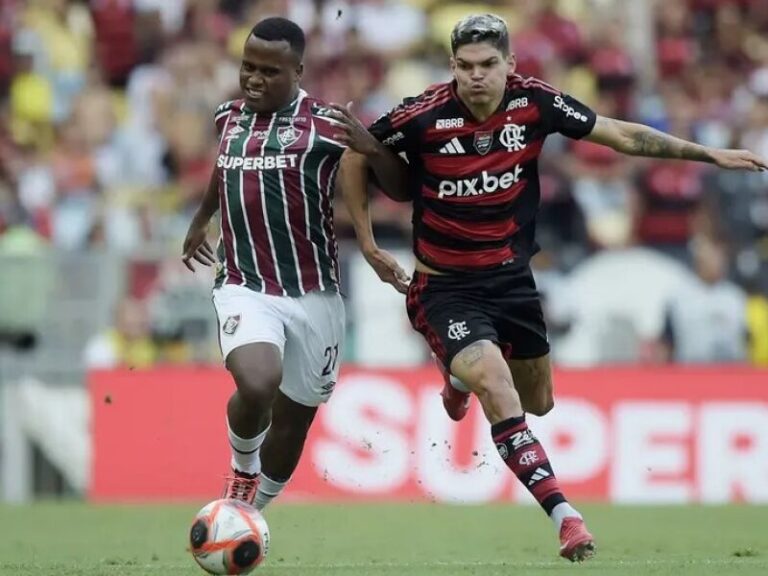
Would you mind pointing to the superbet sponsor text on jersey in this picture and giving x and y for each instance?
(276, 174)
(475, 185)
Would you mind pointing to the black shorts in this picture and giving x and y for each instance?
(455, 310)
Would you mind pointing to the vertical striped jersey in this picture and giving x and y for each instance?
(276, 176)
(475, 185)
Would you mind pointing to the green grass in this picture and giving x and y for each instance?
(393, 540)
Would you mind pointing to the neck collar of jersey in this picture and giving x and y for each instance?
(300, 95)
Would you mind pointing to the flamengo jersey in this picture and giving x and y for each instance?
(475, 186)
(276, 175)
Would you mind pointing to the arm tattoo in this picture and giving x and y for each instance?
(650, 144)
(646, 141)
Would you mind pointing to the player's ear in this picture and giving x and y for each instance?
(300, 70)
(453, 64)
(512, 62)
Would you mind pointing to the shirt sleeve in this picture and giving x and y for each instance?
(221, 115)
(564, 114)
(397, 129)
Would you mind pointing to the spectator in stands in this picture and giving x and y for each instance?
(601, 187)
(670, 193)
(116, 45)
(128, 344)
(757, 324)
(706, 317)
(30, 95)
(105, 114)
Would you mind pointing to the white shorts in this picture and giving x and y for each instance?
(308, 330)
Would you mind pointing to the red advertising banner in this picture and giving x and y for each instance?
(667, 435)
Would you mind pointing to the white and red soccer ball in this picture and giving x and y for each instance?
(229, 537)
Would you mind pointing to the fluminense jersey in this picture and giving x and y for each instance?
(475, 185)
(276, 175)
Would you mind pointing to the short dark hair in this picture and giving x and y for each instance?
(480, 28)
(277, 29)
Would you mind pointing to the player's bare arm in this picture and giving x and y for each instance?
(390, 170)
(354, 191)
(196, 245)
(640, 140)
(352, 179)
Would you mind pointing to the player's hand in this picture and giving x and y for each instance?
(351, 132)
(387, 268)
(196, 247)
(738, 160)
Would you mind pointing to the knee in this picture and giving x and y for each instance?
(257, 388)
(492, 386)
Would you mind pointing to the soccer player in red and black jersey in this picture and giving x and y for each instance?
(472, 147)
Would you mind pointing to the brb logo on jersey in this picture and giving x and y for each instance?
(448, 123)
(517, 103)
(484, 184)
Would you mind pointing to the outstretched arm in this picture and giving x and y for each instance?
(390, 170)
(640, 140)
(353, 180)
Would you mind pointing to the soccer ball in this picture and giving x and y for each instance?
(229, 537)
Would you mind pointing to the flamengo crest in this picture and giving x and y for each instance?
(458, 330)
(513, 137)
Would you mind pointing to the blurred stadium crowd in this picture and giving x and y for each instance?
(106, 141)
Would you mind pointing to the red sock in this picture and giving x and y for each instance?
(525, 456)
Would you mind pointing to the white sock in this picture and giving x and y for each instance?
(459, 385)
(245, 451)
(268, 490)
(561, 512)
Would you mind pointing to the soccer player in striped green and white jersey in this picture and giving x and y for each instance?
(280, 315)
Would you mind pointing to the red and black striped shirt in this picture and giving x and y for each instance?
(475, 185)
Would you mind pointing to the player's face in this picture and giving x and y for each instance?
(269, 74)
(481, 73)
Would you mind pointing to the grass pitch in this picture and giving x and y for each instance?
(75, 539)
